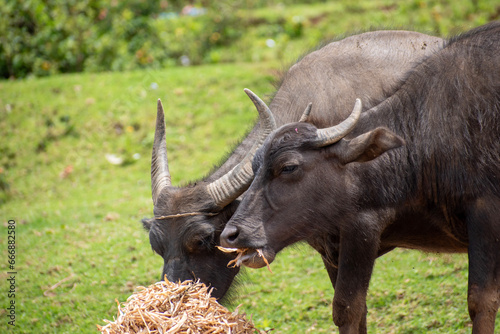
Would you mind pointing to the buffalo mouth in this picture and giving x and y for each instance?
(250, 257)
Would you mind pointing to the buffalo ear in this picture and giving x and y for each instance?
(369, 145)
(147, 222)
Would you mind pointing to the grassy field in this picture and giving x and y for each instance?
(79, 241)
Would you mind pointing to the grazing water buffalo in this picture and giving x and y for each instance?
(188, 220)
(420, 170)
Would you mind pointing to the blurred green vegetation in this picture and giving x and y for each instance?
(43, 37)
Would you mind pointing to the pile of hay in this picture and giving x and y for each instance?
(167, 307)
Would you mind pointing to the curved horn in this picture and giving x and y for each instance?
(160, 176)
(231, 185)
(305, 114)
(335, 133)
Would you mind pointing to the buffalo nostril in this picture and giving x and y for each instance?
(230, 234)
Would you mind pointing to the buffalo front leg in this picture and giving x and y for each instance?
(357, 254)
(483, 225)
(329, 250)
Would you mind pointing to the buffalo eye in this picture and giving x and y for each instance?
(201, 242)
(289, 169)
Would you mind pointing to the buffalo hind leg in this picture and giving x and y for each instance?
(483, 225)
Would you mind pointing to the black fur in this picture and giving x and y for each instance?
(420, 170)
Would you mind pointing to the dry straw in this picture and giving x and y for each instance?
(240, 253)
(168, 308)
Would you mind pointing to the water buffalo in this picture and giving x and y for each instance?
(420, 170)
(369, 65)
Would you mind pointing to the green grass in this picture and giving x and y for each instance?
(82, 229)
(410, 292)
(80, 245)
(292, 27)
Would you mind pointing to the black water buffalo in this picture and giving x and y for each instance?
(420, 170)
(370, 65)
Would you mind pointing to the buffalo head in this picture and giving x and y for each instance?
(304, 179)
(188, 221)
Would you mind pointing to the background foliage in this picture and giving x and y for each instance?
(75, 152)
(42, 37)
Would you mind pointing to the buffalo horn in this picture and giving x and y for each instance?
(305, 114)
(160, 176)
(328, 136)
(231, 185)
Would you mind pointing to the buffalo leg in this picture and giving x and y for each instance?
(483, 224)
(330, 256)
(356, 260)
